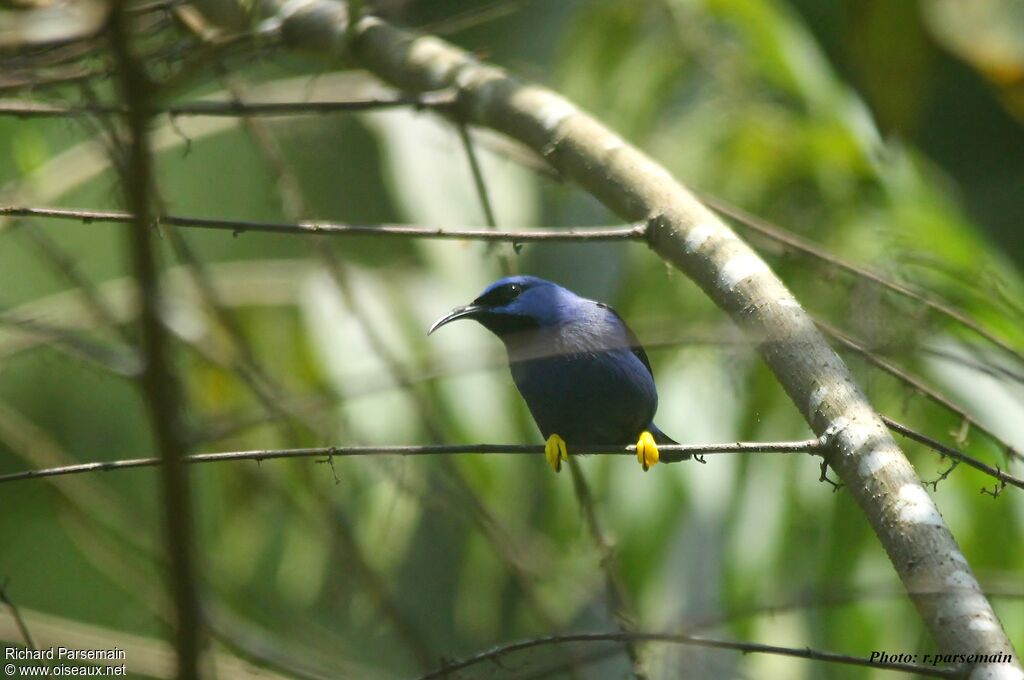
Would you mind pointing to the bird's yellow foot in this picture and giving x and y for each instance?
(646, 450)
(555, 452)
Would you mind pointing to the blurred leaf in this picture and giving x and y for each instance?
(38, 22)
(988, 34)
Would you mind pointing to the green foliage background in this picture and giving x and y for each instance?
(875, 129)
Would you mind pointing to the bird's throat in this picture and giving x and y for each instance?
(514, 330)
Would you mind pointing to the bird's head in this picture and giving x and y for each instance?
(515, 304)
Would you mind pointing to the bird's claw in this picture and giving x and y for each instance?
(555, 452)
(646, 450)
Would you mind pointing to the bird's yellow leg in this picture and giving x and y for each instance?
(555, 452)
(646, 450)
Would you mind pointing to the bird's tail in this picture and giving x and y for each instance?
(662, 438)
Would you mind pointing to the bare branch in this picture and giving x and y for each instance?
(272, 652)
(153, 6)
(481, 191)
(495, 654)
(629, 233)
(55, 78)
(794, 242)
(942, 476)
(473, 17)
(242, 362)
(119, 359)
(16, 614)
(821, 596)
(69, 269)
(918, 384)
(810, 446)
(231, 108)
(1003, 478)
(618, 600)
(988, 368)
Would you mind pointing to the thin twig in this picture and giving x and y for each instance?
(290, 190)
(69, 269)
(56, 78)
(16, 613)
(942, 476)
(118, 359)
(481, 191)
(636, 231)
(376, 585)
(988, 368)
(915, 382)
(618, 600)
(496, 653)
(63, 263)
(473, 17)
(955, 454)
(232, 109)
(272, 652)
(790, 240)
(153, 6)
(823, 596)
(559, 666)
(243, 363)
(54, 54)
(182, 56)
(86, 495)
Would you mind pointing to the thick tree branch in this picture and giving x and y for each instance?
(689, 235)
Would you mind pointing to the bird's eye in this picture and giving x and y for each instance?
(501, 296)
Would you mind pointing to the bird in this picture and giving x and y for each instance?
(581, 370)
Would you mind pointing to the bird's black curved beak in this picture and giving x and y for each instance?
(464, 312)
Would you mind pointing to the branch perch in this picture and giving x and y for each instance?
(811, 446)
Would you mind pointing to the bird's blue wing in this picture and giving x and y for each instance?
(633, 341)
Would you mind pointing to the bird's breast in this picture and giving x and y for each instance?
(590, 397)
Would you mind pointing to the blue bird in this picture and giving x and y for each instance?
(578, 366)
